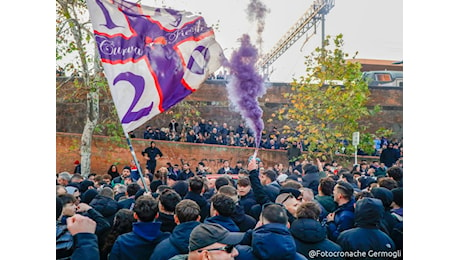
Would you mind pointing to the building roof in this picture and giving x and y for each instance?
(372, 64)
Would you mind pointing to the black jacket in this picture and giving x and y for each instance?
(204, 205)
(108, 207)
(242, 220)
(248, 201)
(367, 236)
(309, 234)
(176, 244)
(167, 222)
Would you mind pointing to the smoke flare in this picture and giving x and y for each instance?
(245, 86)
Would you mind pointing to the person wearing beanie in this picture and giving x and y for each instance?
(366, 236)
(88, 196)
(85, 185)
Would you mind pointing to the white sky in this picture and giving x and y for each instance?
(374, 28)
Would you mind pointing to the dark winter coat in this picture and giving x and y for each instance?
(311, 180)
(85, 247)
(248, 201)
(225, 222)
(367, 236)
(242, 220)
(138, 244)
(309, 234)
(176, 244)
(201, 201)
(64, 242)
(167, 222)
(126, 203)
(270, 241)
(108, 207)
(344, 219)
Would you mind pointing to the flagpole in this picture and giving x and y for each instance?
(135, 160)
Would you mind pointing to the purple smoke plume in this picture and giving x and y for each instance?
(245, 86)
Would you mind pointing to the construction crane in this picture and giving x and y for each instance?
(309, 20)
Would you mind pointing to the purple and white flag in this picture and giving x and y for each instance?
(152, 57)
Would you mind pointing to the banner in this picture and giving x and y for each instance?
(152, 57)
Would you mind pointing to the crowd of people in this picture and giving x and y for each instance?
(211, 132)
(311, 209)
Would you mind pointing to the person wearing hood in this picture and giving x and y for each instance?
(311, 177)
(308, 232)
(388, 221)
(343, 217)
(105, 204)
(271, 238)
(146, 235)
(366, 236)
(187, 217)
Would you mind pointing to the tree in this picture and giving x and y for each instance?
(73, 40)
(326, 104)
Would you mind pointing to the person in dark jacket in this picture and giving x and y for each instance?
(222, 207)
(272, 239)
(245, 194)
(83, 231)
(311, 177)
(187, 216)
(195, 187)
(366, 236)
(343, 217)
(105, 204)
(131, 191)
(186, 172)
(122, 223)
(64, 239)
(388, 221)
(146, 235)
(241, 219)
(308, 232)
(168, 200)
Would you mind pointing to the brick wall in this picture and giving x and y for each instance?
(106, 152)
(214, 105)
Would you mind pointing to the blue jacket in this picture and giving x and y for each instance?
(309, 234)
(138, 244)
(270, 241)
(225, 222)
(344, 219)
(85, 247)
(176, 244)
